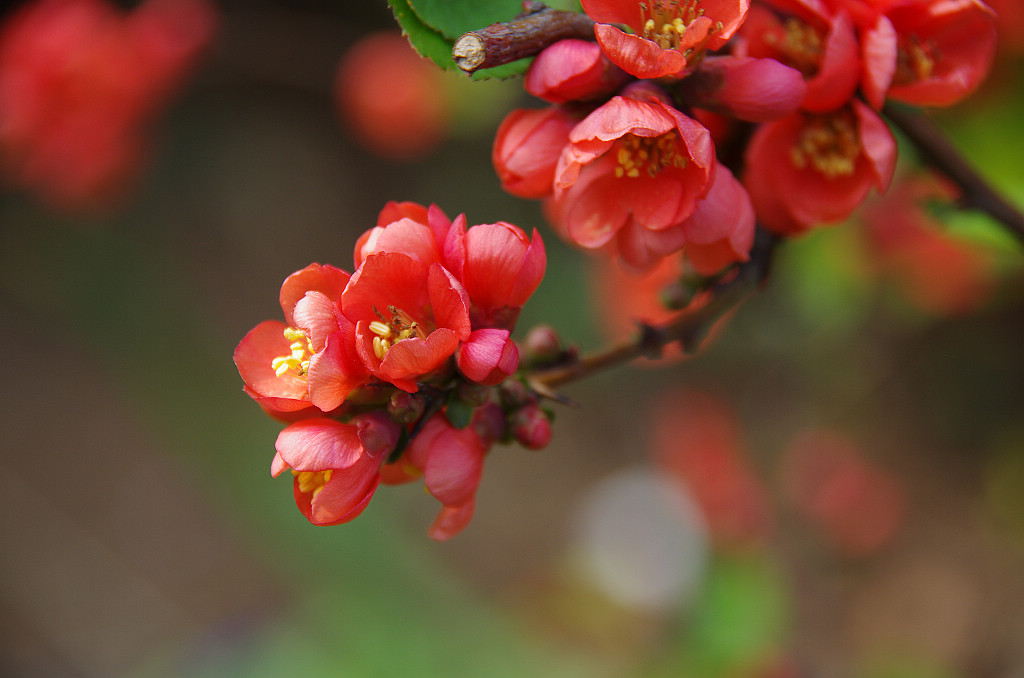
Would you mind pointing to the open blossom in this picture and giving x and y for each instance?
(409, 316)
(807, 36)
(933, 269)
(79, 81)
(666, 35)
(634, 164)
(336, 465)
(927, 52)
(275, 359)
(498, 265)
(808, 169)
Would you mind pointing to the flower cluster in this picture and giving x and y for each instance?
(706, 116)
(79, 81)
(384, 374)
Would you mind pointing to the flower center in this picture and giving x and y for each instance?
(666, 22)
(829, 144)
(648, 155)
(799, 44)
(915, 60)
(298, 360)
(312, 481)
(390, 331)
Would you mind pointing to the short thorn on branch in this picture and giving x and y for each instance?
(526, 35)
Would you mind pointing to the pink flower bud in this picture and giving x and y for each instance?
(542, 344)
(531, 427)
(755, 90)
(526, 150)
(573, 70)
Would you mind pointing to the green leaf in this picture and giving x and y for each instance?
(504, 71)
(459, 412)
(427, 41)
(452, 18)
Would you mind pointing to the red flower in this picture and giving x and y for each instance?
(498, 265)
(820, 44)
(451, 461)
(500, 268)
(409, 316)
(809, 169)
(720, 231)
(666, 35)
(943, 49)
(697, 442)
(391, 97)
(336, 465)
(526, 150)
(634, 163)
(276, 360)
(934, 270)
(573, 70)
(78, 83)
(856, 504)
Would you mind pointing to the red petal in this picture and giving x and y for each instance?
(253, 356)
(638, 56)
(319, 445)
(489, 356)
(321, 278)
(449, 301)
(451, 520)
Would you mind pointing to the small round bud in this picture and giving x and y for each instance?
(405, 408)
(489, 422)
(531, 427)
(542, 344)
(514, 394)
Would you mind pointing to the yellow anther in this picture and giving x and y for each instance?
(380, 347)
(298, 358)
(312, 481)
(828, 144)
(380, 329)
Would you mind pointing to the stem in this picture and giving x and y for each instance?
(937, 151)
(526, 35)
(688, 328)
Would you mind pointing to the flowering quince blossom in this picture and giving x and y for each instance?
(336, 466)
(668, 35)
(638, 178)
(807, 36)
(808, 169)
(934, 270)
(923, 52)
(79, 81)
(278, 361)
(425, 317)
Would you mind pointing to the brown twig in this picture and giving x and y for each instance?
(689, 327)
(937, 151)
(526, 35)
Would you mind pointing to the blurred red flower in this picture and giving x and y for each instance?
(80, 81)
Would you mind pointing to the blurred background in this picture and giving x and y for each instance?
(833, 487)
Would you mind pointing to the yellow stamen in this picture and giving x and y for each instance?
(389, 332)
(830, 144)
(312, 481)
(801, 45)
(665, 21)
(297, 361)
(915, 60)
(649, 155)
